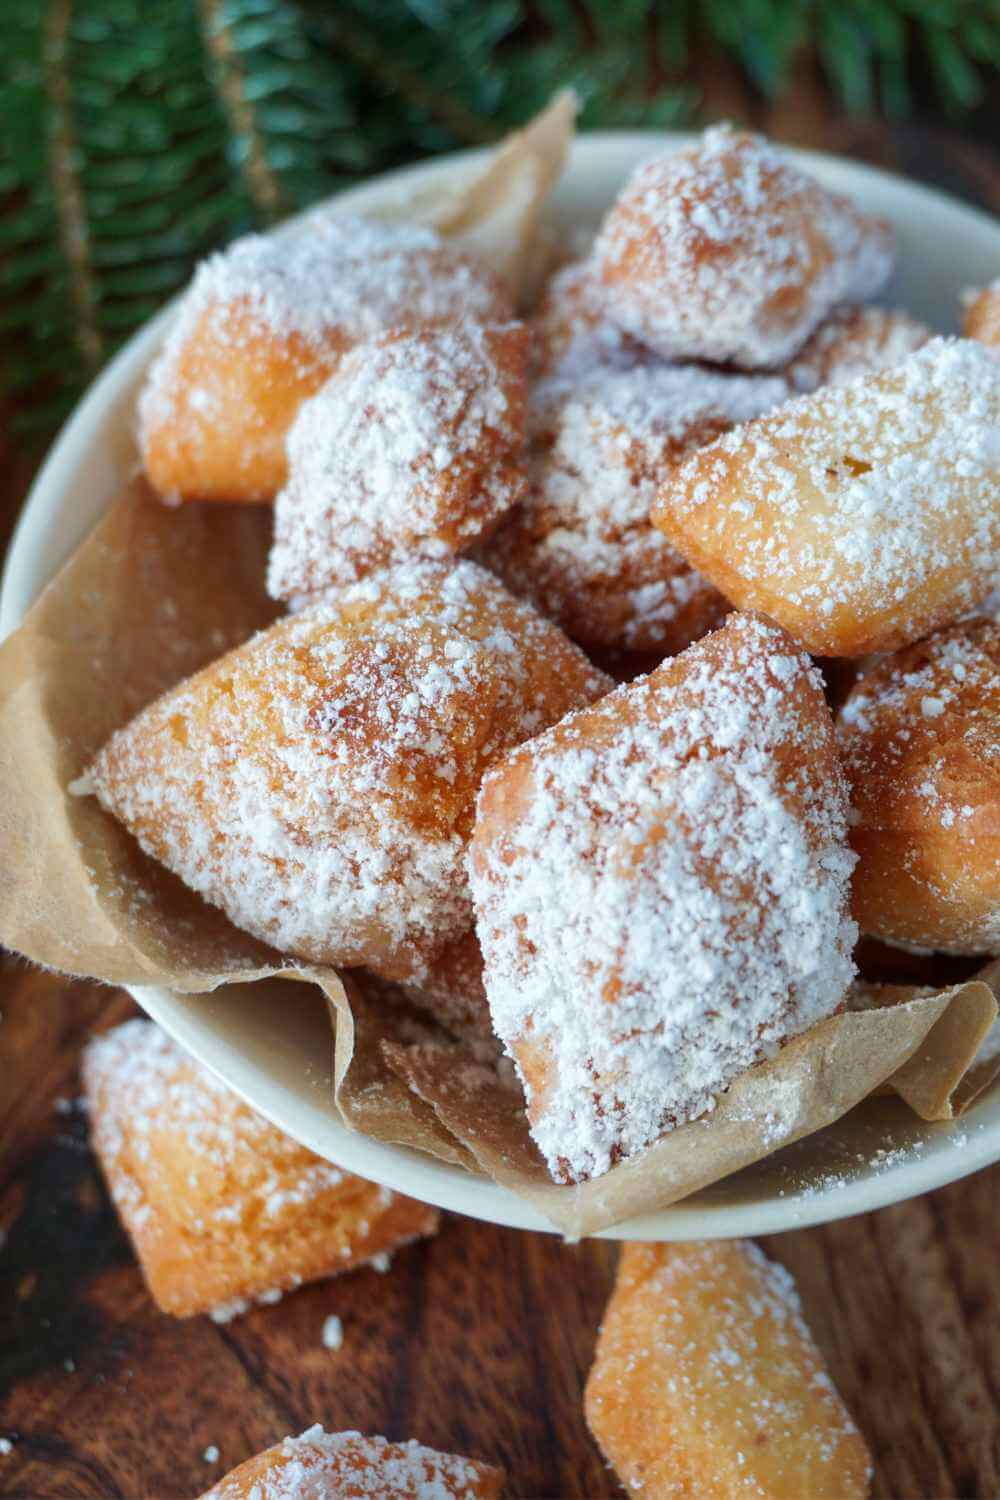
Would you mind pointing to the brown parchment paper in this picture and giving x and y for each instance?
(812, 1082)
(151, 596)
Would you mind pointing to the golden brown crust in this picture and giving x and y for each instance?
(920, 739)
(319, 782)
(234, 450)
(632, 871)
(413, 448)
(222, 1207)
(706, 1383)
(859, 517)
(725, 251)
(580, 545)
(265, 323)
(348, 1466)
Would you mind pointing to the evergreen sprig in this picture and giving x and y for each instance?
(135, 135)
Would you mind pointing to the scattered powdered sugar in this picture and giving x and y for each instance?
(660, 886)
(856, 341)
(727, 252)
(332, 1335)
(875, 502)
(581, 545)
(6, 1446)
(346, 1463)
(410, 449)
(211, 1454)
(318, 783)
(338, 274)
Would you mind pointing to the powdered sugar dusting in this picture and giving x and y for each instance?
(408, 450)
(318, 1464)
(581, 545)
(856, 341)
(660, 886)
(862, 515)
(318, 782)
(339, 273)
(727, 252)
(919, 736)
(708, 1342)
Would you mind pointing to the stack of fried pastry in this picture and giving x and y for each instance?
(421, 770)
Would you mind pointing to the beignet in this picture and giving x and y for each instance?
(222, 1208)
(856, 341)
(707, 1383)
(920, 741)
(266, 322)
(318, 783)
(661, 886)
(320, 1465)
(411, 449)
(580, 545)
(860, 517)
(725, 251)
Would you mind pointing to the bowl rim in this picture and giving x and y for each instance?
(398, 1167)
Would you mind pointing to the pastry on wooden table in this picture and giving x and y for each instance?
(706, 1383)
(266, 322)
(919, 737)
(981, 319)
(860, 517)
(318, 783)
(223, 1209)
(856, 341)
(725, 251)
(661, 887)
(411, 449)
(320, 1465)
(580, 545)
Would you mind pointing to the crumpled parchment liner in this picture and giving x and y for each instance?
(814, 1080)
(150, 597)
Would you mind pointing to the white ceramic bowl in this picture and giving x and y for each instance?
(280, 1062)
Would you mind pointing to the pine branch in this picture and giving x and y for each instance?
(136, 135)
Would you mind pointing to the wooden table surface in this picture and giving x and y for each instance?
(479, 1341)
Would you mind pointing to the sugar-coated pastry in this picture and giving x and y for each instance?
(920, 741)
(860, 517)
(318, 783)
(266, 322)
(707, 1383)
(982, 315)
(320, 1465)
(661, 887)
(856, 341)
(573, 328)
(223, 1209)
(725, 251)
(580, 544)
(411, 449)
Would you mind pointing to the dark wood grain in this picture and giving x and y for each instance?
(479, 1341)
